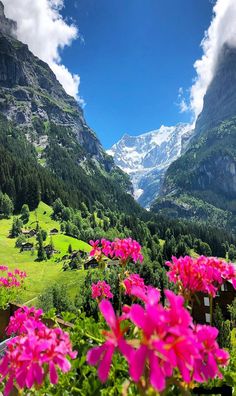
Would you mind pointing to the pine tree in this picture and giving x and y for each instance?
(41, 252)
(6, 206)
(25, 213)
(16, 227)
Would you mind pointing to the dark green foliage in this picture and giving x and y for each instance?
(16, 227)
(41, 255)
(25, 213)
(21, 239)
(56, 297)
(202, 248)
(232, 253)
(232, 311)
(224, 336)
(6, 206)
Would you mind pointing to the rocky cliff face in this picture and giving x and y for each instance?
(146, 158)
(220, 98)
(7, 26)
(207, 170)
(33, 99)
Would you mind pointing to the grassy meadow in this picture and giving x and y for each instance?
(45, 273)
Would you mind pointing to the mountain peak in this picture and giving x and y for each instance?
(7, 26)
(147, 156)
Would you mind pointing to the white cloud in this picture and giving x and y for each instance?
(41, 26)
(221, 30)
(182, 101)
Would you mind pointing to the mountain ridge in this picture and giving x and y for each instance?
(146, 157)
(206, 173)
(47, 148)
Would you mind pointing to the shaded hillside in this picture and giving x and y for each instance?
(207, 170)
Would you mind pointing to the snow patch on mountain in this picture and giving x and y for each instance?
(146, 157)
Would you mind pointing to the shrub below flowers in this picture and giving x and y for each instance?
(10, 283)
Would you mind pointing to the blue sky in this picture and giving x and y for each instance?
(134, 57)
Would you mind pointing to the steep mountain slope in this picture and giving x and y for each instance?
(207, 171)
(146, 157)
(47, 149)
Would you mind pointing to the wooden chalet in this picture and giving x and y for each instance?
(29, 233)
(91, 262)
(77, 253)
(54, 231)
(49, 250)
(201, 305)
(27, 246)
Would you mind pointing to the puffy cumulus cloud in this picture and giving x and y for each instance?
(221, 30)
(41, 26)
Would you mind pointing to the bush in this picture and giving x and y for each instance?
(56, 297)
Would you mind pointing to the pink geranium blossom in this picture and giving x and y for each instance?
(33, 354)
(203, 274)
(167, 342)
(3, 268)
(102, 355)
(122, 249)
(21, 317)
(206, 366)
(133, 280)
(101, 290)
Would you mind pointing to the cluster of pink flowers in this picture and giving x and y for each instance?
(11, 279)
(33, 353)
(20, 318)
(101, 290)
(203, 274)
(122, 249)
(134, 280)
(168, 341)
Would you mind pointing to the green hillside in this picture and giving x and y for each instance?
(45, 273)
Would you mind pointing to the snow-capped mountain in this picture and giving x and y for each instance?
(146, 157)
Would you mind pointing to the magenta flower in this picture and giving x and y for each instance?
(122, 249)
(20, 318)
(12, 279)
(96, 250)
(102, 355)
(35, 353)
(134, 280)
(3, 268)
(101, 290)
(206, 366)
(204, 274)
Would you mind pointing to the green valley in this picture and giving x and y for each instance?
(41, 274)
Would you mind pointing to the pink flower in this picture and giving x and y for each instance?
(3, 268)
(127, 249)
(33, 354)
(133, 280)
(206, 366)
(96, 250)
(21, 317)
(166, 342)
(204, 274)
(101, 290)
(122, 249)
(12, 279)
(102, 355)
